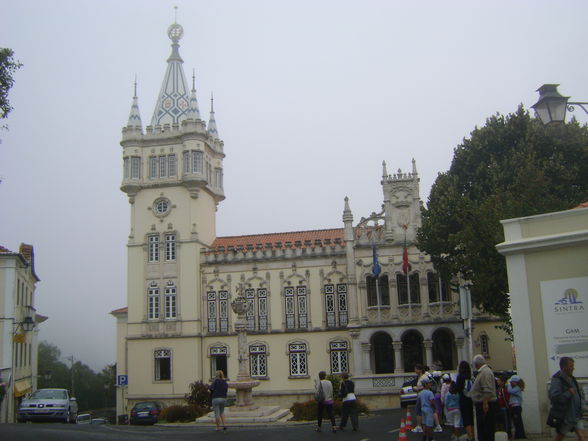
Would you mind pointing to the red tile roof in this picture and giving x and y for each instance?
(293, 239)
(120, 310)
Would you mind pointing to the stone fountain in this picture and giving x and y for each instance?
(244, 410)
(244, 384)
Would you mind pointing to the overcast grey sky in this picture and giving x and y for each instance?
(310, 98)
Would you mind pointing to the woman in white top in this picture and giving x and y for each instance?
(324, 398)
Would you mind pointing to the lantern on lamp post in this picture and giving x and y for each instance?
(552, 106)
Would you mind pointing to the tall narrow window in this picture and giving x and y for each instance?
(153, 248)
(218, 311)
(162, 364)
(153, 301)
(218, 177)
(197, 161)
(382, 289)
(170, 301)
(126, 168)
(433, 286)
(152, 167)
(484, 345)
(170, 247)
(402, 288)
(415, 288)
(298, 359)
(296, 307)
(163, 166)
(339, 357)
(336, 304)
(187, 162)
(258, 360)
(171, 165)
(135, 167)
(257, 311)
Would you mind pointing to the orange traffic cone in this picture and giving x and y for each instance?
(408, 419)
(402, 434)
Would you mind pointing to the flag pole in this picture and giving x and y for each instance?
(404, 265)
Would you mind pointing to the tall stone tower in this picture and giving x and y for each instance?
(173, 176)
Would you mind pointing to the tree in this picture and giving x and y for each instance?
(92, 391)
(512, 167)
(7, 68)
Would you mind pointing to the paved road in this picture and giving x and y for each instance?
(382, 426)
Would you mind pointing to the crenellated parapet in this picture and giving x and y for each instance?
(273, 251)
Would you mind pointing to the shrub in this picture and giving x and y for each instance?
(199, 395)
(181, 413)
(307, 410)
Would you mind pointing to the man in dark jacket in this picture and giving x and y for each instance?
(566, 401)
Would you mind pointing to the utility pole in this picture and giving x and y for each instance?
(72, 375)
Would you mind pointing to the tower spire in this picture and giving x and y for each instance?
(173, 102)
(134, 114)
(212, 129)
(193, 110)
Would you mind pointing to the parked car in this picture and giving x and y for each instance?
(99, 421)
(48, 405)
(408, 396)
(84, 418)
(145, 412)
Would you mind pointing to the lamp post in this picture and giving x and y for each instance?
(551, 107)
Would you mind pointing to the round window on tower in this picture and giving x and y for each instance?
(161, 207)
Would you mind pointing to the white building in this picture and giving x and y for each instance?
(315, 304)
(18, 333)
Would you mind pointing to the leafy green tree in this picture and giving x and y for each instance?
(512, 167)
(7, 68)
(92, 390)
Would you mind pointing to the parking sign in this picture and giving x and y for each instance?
(122, 380)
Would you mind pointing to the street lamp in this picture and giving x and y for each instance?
(551, 107)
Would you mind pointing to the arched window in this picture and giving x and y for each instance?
(383, 353)
(404, 293)
(484, 345)
(444, 349)
(412, 350)
(380, 292)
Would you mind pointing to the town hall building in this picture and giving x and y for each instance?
(314, 301)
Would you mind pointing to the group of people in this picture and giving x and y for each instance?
(325, 400)
(495, 401)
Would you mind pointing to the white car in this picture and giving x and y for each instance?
(47, 405)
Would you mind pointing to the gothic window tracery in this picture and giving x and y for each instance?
(298, 359)
(339, 354)
(258, 309)
(217, 311)
(336, 304)
(296, 307)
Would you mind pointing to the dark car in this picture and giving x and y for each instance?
(145, 412)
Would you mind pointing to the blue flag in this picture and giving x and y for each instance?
(377, 270)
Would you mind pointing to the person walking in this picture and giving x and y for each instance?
(349, 408)
(218, 390)
(483, 395)
(422, 375)
(515, 389)
(463, 386)
(502, 399)
(566, 401)
(324, 397)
